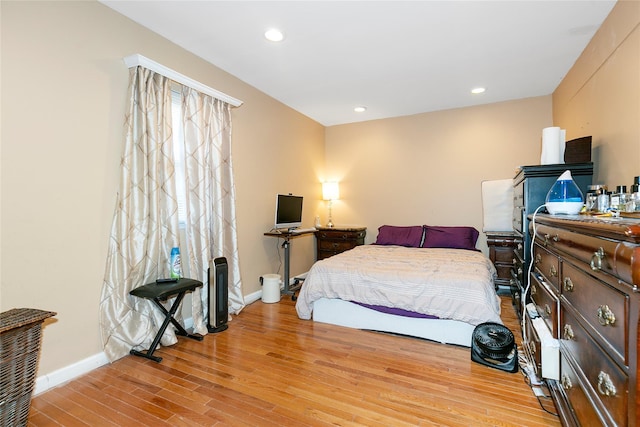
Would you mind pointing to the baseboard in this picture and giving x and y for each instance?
(253, 297)
(66, 374)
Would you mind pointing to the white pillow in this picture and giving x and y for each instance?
(497, 205)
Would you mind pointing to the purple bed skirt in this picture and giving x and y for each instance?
(396, 311)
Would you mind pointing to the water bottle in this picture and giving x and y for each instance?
(176, 268)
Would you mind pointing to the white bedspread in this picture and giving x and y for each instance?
(448, 283)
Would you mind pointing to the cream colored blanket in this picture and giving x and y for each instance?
(448, 283)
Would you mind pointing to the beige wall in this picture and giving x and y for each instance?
(428, 168)
(64, 86)
(600, 97)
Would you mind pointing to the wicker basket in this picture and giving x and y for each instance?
(19, 352)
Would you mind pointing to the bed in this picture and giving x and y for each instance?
(409, 283)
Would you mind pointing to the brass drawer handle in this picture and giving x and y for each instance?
(534, 290)
(546, 240)
(547, 309)
(568, 333)
(566, 382)
(606, 316)
(605, 385)
(532, 347)
(513, 261)
(519, 246)
(568, 284)
(556, 238)
(553, 272)
(596, 259)
(538, 259)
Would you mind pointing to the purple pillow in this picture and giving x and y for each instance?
(450, 237)
(410, 236)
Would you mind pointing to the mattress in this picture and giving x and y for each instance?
(451, 284)
(351, 315)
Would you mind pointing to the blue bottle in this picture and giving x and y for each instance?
(176, 267)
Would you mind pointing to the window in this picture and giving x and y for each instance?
(178, 152)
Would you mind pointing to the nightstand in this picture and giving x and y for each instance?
(501, 246)
(334, 240)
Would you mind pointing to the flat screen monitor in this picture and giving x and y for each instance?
(288, 211)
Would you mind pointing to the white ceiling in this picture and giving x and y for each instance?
(394, 57)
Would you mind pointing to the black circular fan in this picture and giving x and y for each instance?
(495, 340)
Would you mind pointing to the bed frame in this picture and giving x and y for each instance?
(344, 313)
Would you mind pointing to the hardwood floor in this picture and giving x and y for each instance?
(272, 369)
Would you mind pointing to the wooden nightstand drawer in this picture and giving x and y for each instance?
(335, 246)
(341, 235)
(503, 255)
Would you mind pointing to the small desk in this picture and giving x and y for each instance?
(286, 236)
(158, 292)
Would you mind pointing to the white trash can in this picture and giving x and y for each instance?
(271, 288)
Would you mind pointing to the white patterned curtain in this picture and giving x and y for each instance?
(211, 225)
(146, 226)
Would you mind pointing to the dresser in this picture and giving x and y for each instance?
(334, 240)
(584, 284)
(501, 246)
(530, 187)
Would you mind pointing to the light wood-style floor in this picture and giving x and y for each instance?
(272, 369)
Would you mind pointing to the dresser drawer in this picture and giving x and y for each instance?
(604, 308)
(599, 253)
(517, 271)
(548, 265)
(532, 346)
(581, 406)
(518, 219)
(519, 250)
(604, 376)
(546, 303)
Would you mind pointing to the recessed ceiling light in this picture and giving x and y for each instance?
(274, 35)
(360, 109)
(478, 90)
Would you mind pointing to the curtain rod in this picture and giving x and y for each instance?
(137, 59)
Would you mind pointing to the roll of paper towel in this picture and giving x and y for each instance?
(553, 143)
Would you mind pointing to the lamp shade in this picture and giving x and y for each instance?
(330, 191)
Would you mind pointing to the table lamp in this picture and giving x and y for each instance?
(330, 192)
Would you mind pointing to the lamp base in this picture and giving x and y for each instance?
(330, 224)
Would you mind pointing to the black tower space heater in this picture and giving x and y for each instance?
(218, 295)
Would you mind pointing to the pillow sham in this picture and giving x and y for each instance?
(410, 236)
(450, 237)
